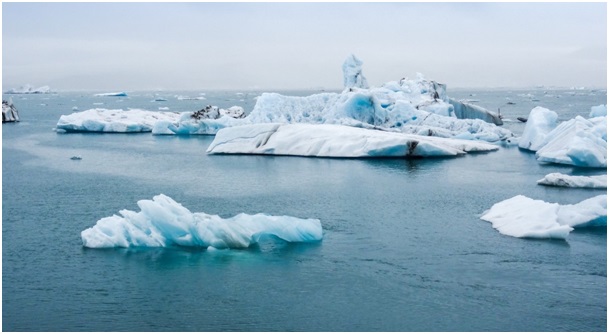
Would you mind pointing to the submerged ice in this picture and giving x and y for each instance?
(162, 222)
(523, 217)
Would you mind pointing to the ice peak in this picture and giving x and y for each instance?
(352, 73)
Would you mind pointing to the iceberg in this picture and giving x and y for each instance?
(598, 111)
(579, 142)
(112, 94)
(539, 123)
(162, 222)
(381, 108)
(28, 89)
(9, 111)
(113, 120)
(570, 181)
(523, 217)
(331, 140)
(352, 73)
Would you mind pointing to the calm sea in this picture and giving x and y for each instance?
(403, 249)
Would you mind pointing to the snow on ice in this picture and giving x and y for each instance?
(523, 217)
(113, 120)
(162, 222)
(570, 181)
(331, 140)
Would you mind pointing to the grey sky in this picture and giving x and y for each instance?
(129, 46)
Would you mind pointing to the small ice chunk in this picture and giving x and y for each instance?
(523, 217)
(570, 181)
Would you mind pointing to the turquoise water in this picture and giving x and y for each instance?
(403, 249)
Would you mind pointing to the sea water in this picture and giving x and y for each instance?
(403, 248)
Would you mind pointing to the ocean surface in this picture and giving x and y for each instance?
(403, 248)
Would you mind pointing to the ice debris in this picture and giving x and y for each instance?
(162, 222)
(331, 140)
(523, 217)
(571, 181)
(598, 111)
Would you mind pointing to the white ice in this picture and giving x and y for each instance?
(580, 142)
(571, 181)
(162, 222)
(417, 106)
(206, 121)
(540, 122)
(330, 140)
(114, 120)
(352, 73)
(523, 217)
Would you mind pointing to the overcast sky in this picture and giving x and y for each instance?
(141, 46)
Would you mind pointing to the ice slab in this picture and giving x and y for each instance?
(523, 217)
(162, 222)
(114, 120)
(570, 181)
(330, 140)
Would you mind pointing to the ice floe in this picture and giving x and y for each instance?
(523, 217)
(113, 120)
(331, 140)
(162, 222)
(571, 181)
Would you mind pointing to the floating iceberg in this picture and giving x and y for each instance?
(562, 180)
(9, 111)
(28, 89)
(112, 120)
(162, 222)
(580, 142)
(523, 217)
(598, 111)
(329, 140)
(409, 106)
(380, 108)
(539, 123)
(112, 94)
